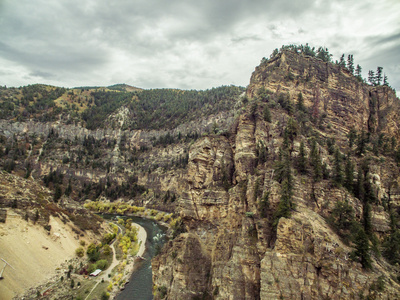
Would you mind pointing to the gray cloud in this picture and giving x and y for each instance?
(42, 74)
(176, 43)
(379, 40)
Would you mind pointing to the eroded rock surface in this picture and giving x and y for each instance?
(241, 254)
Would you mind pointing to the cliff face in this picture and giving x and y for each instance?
(232, 249)
(154, 159)
(329, 91)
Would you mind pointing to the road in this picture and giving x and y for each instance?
(115, 262)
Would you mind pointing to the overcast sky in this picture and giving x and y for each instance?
(184, 44)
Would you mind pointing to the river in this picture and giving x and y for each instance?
(140, 286)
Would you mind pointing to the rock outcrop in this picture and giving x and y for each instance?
(239, 248)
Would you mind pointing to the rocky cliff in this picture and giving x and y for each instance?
(289, 190)
(103, 159)
(241, 242)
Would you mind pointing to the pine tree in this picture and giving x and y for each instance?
(302, 160)
(393, 144)
(285, 177)
(358, 71)
(342, 62)
(385, 80)
(362, 248)
(359, 188)
(68, 190)
(338, 173)
(365, 193)
(342, 217)
(263, 205)
(323, 54)
(371, 77)
(307, 50)
(367, 222)
(330, 143)
(267, 114)
(315, 160)
(352, 135)
(274, 53)
(391, 245)
(378, 78)
(349, 175)
(261, 152)
(362, 142)
(350, 63)
(57, 193)
(289, 135)
(300, 102)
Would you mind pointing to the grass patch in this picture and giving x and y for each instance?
(86, 287)
(102, 287)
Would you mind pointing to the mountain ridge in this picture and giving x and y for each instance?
(260, 181)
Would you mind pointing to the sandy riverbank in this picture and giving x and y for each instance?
(142, 237)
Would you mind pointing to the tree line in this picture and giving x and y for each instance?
(322, 53)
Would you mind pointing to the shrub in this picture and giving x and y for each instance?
(177, 226)
(93, 252)
(79, 252)
(249, 214)
(106, 250)
(162, 291)
(101, 264)
(105, 296)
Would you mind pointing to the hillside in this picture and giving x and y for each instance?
(37, 236)
(288, 189)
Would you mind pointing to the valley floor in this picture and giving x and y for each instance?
(39, 259)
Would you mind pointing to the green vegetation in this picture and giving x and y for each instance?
(80, 252)
(160, 108)
(343, 219)
(105, 103)
(391, 244)
(338, 172)
(150, 109)
(302, 159)
(322, 53)
(264, 205)
(30, 102)
(285, 177)
(315, 161)
(362, 248)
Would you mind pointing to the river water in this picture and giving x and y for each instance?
(140, 286)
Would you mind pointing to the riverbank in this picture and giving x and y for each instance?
(140, 284)
(131, 267)
(122, 209)
(142, 237)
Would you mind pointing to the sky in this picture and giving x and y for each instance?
(184, 44)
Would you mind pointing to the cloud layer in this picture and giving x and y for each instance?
(183, 44)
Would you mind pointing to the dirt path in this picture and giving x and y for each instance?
(142, 236)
